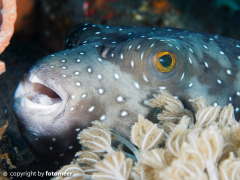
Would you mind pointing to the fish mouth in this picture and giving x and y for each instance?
(34, 93)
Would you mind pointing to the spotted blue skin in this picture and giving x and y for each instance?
(107, 73)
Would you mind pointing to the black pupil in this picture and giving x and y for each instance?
(165, 60)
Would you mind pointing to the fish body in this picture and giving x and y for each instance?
(107, 73)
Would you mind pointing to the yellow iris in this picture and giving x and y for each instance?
(164, 61)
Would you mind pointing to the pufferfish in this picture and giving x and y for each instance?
(107, 73)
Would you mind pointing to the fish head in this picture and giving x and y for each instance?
(107, 73)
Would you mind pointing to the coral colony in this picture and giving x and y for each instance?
(203, 145)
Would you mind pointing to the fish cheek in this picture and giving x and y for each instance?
(82, 112)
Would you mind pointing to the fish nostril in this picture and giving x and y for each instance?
(76, 42)
(105, 50)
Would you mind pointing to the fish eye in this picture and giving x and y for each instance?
(164, 61)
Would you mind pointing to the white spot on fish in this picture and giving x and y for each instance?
(91, 109)
(100, 90)
(64, 67)
(112, 55)
(63, 60)
(124, 113)
(219, 81)
(102, 117)
(238, 93)
(89, 70)
(84, 95)
(78, 60)
(236, 109)
(238, 57)
(215, 104)
(96, 45)
(116, 76)
(152, 45)
(205, 46)
(53, 139)
(229, 72)
(99, 59)
(73, 96)
(142, 55)
(81, 53)
(190, 85)
(206, 64)
(230, 98)
(162, 87)
(136, 85)
(61, 154)
(121, 56)
(72, 108)
(51, 66)
(78, 129)
(70, 147)
(132, 63)
(76, 73)
(97, 32)
(191, 50)
(178, 48)
(145, 77)
(190, 60)
(211, 39)
(50, 148)
(129, 33)
(221, 52)
(119, 99)
(84, 28)
(169, 30)
(78, 84)
(99, 76)
(182, 77)
(52, 55)
(63, 75)
(238, 46)
(129, 47)
(120, 29)
(139, 46)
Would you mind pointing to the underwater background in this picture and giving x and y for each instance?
(41, 27)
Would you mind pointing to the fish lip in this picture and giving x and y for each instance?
(35, 93)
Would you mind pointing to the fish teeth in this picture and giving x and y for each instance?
(25, 102)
